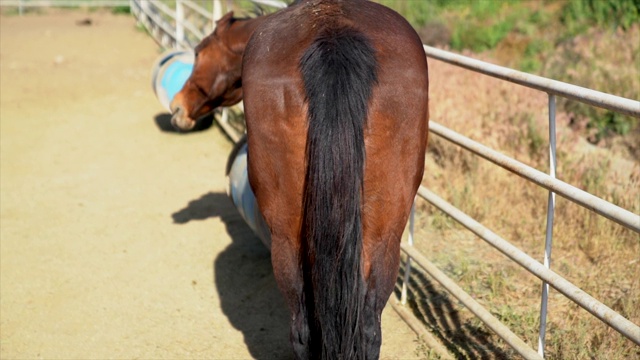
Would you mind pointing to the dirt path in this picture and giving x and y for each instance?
(117, 238)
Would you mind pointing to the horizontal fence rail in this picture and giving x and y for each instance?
(583, 198)
(596, 308)
(569, 91)
(199, 9)
(483, 314)
(161, 30)
(167, 26)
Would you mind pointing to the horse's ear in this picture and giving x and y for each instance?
(223, 23)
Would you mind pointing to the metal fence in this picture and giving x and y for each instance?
(168, 28)
(622, 216)
(179, 28)
(183, 26)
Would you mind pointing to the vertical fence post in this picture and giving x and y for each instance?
(145, 19)
(551, 204)
(228, 6)
(217, 12)
(407, 267)
(144, 5)
(179, 24)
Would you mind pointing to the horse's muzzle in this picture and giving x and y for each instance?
(180, 120)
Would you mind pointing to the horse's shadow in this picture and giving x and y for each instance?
(250, 299)
(244, 280)
(163, 122)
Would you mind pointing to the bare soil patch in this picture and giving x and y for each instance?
(117, 237)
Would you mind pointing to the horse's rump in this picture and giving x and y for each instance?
(336, 110)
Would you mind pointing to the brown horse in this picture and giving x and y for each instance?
(336, 105)
(215, 80)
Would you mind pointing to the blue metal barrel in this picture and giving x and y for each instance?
(169, 73)
(241, 194)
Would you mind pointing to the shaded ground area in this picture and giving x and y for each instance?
(117, 238)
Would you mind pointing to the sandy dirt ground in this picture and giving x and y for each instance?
(117, 238)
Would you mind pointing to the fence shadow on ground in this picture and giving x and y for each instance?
(244, 280)
(438, 311)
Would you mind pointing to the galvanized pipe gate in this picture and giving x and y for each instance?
(174, 37)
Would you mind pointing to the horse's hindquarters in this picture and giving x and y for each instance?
(281, 118)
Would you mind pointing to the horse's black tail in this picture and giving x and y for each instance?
(339, 71)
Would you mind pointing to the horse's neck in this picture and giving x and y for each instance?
(240, 32)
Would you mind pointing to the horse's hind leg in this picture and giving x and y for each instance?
(380, 284)
(372, 325)
(288, 275)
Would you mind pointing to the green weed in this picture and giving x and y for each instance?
(125, 10)
(578, 15)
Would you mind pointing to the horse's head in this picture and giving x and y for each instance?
(215, 80)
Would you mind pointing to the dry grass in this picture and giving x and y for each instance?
(599, 256)
(608, 61)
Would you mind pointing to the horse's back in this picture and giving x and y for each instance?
(272, 80)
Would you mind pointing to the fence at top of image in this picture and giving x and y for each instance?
(64, 3)
(21, 5)
(175, 29)
(189, 22)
